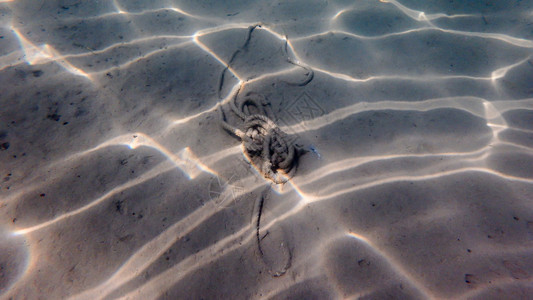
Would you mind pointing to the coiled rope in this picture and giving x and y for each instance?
(265, 145)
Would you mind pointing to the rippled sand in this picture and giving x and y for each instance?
(119, 182)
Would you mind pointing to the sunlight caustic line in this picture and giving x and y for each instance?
(142, 57)
(272, 74)
(306, 199)
(32, 53)
(472, 157)
(495, 121)
(406, 178)
(339, 13)
(233, 92)
(473, 105)
(60, 59)
(425, 78)
(497, 36)
(165, 280)
(314, 269)
(181, 11)
(352, 163)
(119, 11)
(223, 27)
(158, 170)
(501, 72)
(151, 39)
(413, 14)
(184, 160)
(217, 29)
(39, 55)
(152, 250)
(215, 56)
(394, 265)
(149, 253)
(172, 8)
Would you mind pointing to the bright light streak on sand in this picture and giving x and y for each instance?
(339, 13)
(500, 73)
(355, 162)
(281, 37)
(61, 60)
(497, 74)
(149, 252)
(223, 27)
(184, 160)
(148, 11)
(185, 120)
(476, 106)
(162, 9)
(511, 128)
(407, 178)
(226, 65)
(273, 74)
(313, 264)
(395, 265)
(215, 56)
(477, 160)
(147, 55)
(411, 13)
(152, 250)
(495, 117)
(428, 78)
(39, 55)
(306, 199)
(164, 281)
(149, 39)
(497, 36)
(181, 11)
(222, 155)
(156, 171)
(32, 53)
(121, 12)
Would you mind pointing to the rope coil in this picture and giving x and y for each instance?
(265, 145)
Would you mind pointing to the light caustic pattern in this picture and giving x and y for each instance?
(420, 116)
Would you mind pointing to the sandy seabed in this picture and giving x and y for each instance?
(414, 120)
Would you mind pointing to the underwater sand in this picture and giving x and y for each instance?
(117, 180)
